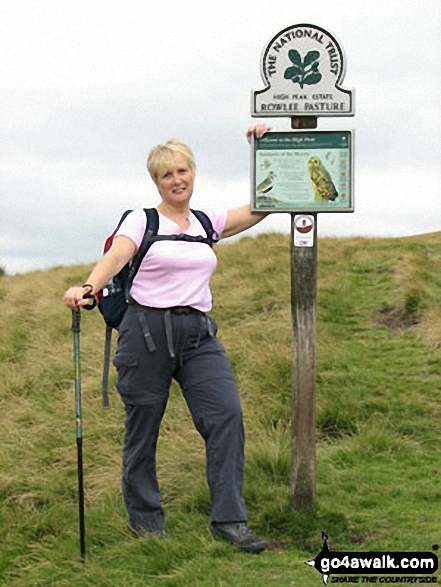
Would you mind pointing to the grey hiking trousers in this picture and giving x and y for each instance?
(154, 346)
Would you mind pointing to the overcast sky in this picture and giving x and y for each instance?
(87, 87)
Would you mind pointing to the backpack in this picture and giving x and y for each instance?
(113, 300)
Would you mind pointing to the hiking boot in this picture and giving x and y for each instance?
(145, 533)
(238, 534)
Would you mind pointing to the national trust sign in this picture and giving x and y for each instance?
(302, 67)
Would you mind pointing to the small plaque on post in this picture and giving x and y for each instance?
(304, 230)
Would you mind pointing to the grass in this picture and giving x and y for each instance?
(377, 414)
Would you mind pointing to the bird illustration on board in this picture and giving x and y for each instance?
(267, 184)
(324, 188)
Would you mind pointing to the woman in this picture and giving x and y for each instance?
(170, 296)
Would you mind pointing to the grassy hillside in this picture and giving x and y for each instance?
(378, 423)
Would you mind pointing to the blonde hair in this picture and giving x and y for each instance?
(161, 155)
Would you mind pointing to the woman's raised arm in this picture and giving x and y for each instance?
(239, 219)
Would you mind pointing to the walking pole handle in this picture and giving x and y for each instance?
(76, 314)
(76, 320)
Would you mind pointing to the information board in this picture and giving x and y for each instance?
(302, 172)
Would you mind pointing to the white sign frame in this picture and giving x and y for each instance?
(303, 67)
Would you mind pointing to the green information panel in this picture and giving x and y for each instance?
(302, 172)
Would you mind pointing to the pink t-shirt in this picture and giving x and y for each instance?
(173, 273)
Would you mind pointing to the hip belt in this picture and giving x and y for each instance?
(183, 310)
(176, 310)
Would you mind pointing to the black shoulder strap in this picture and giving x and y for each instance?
(151, 230)
(123, 217)
(207, 225)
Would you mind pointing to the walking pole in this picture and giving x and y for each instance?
(76, 319)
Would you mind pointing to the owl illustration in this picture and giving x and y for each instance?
(324, 188)
(267, 184)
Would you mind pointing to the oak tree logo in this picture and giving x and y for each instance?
(303, 71)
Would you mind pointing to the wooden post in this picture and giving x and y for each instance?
(303, 308)
(302, 122)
